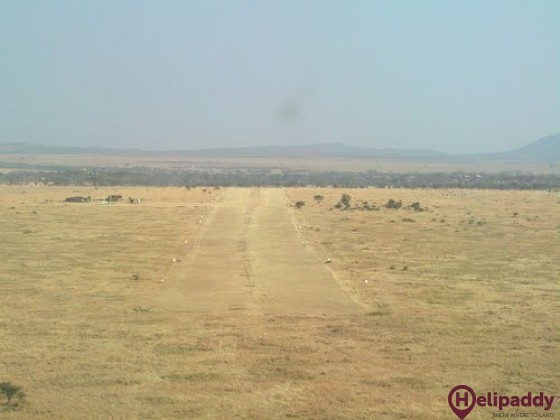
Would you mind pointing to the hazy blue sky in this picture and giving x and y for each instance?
(457, 76)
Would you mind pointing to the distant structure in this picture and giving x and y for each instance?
(78, 199)
(108, 200)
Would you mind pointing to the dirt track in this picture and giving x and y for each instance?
(249, 257)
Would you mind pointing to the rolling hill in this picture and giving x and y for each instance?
(545, 150)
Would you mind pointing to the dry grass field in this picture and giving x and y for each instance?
(97, 321)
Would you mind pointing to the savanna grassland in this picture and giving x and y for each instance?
(464, 291)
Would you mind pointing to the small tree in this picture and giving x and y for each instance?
(318, 198)
(299, 204)
(345, 200)
(10, 390)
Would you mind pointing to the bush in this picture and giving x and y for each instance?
(392, 204)
(299, 204)
(10, 390)
(369, 207)
(416, 206)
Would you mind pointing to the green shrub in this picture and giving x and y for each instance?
(10, 391)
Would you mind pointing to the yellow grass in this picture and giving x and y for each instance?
(466, 293)
(478, 303)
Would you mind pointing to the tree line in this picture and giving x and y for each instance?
(248, 177)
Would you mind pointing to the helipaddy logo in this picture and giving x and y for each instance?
(462, 399)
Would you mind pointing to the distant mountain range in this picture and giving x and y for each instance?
(545, 150)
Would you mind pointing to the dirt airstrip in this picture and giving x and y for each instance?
(248, 257)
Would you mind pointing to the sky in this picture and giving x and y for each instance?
(454, 76)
